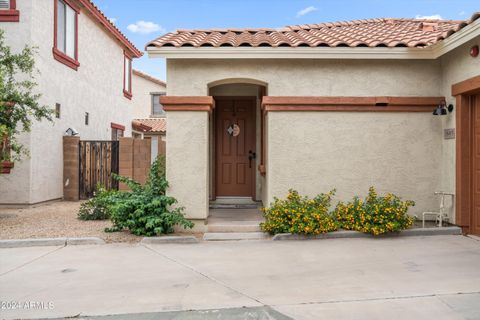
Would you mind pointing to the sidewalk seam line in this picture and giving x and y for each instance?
(204, 275)
(33, 260)
(436, 295)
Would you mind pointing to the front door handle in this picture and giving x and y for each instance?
(251, 155)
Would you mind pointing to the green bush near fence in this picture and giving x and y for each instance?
(146, 210)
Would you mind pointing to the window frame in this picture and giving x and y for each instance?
(127, 92)
(115, 129)
(58, 55)
(152, 95)
(11, 14)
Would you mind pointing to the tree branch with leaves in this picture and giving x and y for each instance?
(19, 103)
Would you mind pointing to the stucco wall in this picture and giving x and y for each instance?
(187, 160)
(14, 185)
(97, 88)
(457, 66)
(315, 152)
(320, 78)
(142, 99)
(310, 77)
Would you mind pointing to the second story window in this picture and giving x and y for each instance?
(157, 108)
(127, 76)
(8, 11)
(65, 47)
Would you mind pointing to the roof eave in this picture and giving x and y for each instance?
(289, 53)
(455, 40)
(101, 18)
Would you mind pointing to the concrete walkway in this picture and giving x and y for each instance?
(394, 278)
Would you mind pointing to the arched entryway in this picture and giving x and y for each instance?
(236, 141)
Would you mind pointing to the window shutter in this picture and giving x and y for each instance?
(4, 4)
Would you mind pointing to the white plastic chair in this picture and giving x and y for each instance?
(441, 215)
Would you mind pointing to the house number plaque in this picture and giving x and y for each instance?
(233, 130)
(449, 133)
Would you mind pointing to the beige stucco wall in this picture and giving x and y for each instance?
(142, 99)
(187, 160)
(97, 88)
(314, 152)
(457, 65)
(310, 77)
(290, 164)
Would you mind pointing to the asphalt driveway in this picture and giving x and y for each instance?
(434, 277)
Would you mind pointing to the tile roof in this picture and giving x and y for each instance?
(357, 33)
(149, 77)
(110, 27)
(155, 125)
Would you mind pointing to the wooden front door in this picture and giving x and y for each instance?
(235, 147)
(475, 212)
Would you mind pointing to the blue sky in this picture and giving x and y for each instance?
(144, 20)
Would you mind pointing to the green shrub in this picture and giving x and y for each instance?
(96, 208)
(300, 215)
(375, 215)
(146, 209)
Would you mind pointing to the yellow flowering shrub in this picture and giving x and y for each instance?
(375, 215)
(300, 215)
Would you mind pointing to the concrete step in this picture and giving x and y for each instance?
(231, 236)
(233, 206)
(234, 226)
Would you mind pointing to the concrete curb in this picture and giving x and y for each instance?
(234, 236)
(415, 232)
(45, 242)
(169, 239)
(84, 241)
(331, 235)
(18, 243)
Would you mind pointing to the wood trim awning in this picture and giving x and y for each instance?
(468, 86)
(189, 103)
(351, 104)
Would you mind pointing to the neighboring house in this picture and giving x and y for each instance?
(149, 122)
(85, 74)
(347, 105)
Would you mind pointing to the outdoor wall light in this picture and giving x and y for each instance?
(441, 109)
(71, 132)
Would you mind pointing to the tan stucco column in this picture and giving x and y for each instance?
(187, 157)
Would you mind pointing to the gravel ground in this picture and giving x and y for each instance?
(57, 219)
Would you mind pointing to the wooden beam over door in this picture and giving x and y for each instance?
(351, 104)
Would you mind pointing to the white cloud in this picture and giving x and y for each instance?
(144, 27)
(305, 11)
(432, 17)
(461, 13)
(112, 20)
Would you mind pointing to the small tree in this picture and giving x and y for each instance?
(19, 104)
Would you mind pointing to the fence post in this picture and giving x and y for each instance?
(71, 164)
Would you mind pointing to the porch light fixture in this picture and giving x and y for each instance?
(441, 109)
(71, 132)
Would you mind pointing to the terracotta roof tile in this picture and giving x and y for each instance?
(157, 125)
(385, 32)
